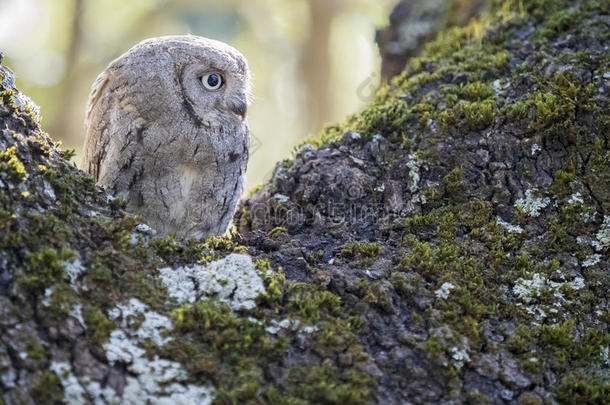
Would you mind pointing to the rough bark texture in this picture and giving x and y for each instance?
(447, 245)
(414, 23)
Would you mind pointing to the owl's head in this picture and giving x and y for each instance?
(206, 79)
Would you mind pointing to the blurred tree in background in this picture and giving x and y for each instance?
(311, 59)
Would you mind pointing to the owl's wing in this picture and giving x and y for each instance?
(94, 146)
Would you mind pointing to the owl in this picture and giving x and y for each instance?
(166, 129)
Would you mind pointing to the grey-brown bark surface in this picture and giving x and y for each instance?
(447, 245)
(414, 23)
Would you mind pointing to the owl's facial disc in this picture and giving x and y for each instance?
(210, 91)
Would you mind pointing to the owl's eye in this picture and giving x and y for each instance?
(212, 81)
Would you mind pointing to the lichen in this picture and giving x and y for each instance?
(532, 204)
(233, 280)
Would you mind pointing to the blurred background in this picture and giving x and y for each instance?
(313, 61)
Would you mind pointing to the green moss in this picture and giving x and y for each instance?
(61, 301)
(119, 231)
(262, 264)
(474, 397)
(277, 231)
(254, 190)
(561, 183)
(560, 21)
(47, 388)
(401, 283)
(214, 343)
(6, 218)
(453, 185)
(165, 247)
(43, 269)
(35, 350)
(275, 282)
(118, 203)
(475, 91)
(99, 326)
(333, 336)
(11, 167)
(202, 316)
(329, 134)
(316, 256)
(557, 346)
(451, 41)
(67, 154)
(418, 222)
(378, 293)
(539, 9)
(475, 213)
(435, 348)
(516, 111)
(584, 388)
(479, 114)
(100, 273)
(557, 106)
(213, 248)
(327, 385)
(6, 97)
(556, 335)
(362, 252)
(312, 301)
(522, 264)
(476, 115)
(420, 259)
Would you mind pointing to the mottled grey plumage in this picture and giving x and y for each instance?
(175, 149)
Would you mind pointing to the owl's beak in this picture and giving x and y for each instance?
(239, 107)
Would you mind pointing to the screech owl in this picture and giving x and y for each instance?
(166, 129)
